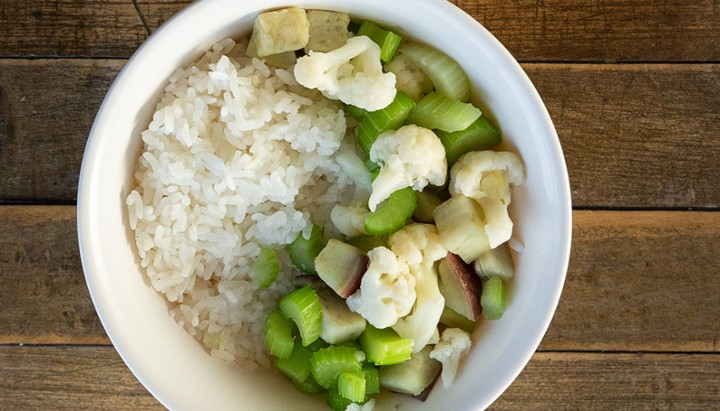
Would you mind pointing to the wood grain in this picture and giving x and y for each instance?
(66, 377)
(633, 135)
(551, 30)
(628, 287)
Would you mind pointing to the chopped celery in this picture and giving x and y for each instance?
(328, 363)
(436, 111)
(297, 366)
(374, 168)
(278, 335)
(351, 385)
(445, 73)
(385, 346)
(354, 111)
(336, 401)
(303, 251)
(366, 243)
(480, 135)
(388, 118)
(303, 307)
(266, 267)
(372, 379)
(309, 386)
(386, 39)
(317, 344)
(392, 215)
(493, 298)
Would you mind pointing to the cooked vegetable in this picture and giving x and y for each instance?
(297, 366)
(341, 266)
(480, 135)
(454, 344)
(376, 122)
(385, 346)
(410, 156)
(351, 385)
(303, 307)
(339, 324)
(461, 224)
(366, 243)
(454, 320)
(328, 363)
(387, 289)
(309, 386)
(349, 220)
(426, 203)
(460, 287)
(279, 31)
(266, 267)
(352, 74)
(386, 39)
(436, 111)
(278, 335)
(493, 298)
(372, 378)
(328, 30)
(411, 377)
(496, 262)
(409, 78)
(392, 215)
(487, 177)
(304, 250)
(445, 73)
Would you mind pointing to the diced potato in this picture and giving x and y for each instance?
(328, 30)
(279, 31)
(282, 60)
(461, 224)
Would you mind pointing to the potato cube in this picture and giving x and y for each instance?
(279, 31)
(461, 224)
(328, 30)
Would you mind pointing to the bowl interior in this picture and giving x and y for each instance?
(173, 366)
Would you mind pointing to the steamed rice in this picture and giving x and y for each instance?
(237, 155)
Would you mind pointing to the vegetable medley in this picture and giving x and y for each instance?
(424, 248)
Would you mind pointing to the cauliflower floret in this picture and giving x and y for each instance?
(409, 156)
(409, 78)
(487, 177)
(387, 289)
(419, 246)
(352, 74)
(454, 343)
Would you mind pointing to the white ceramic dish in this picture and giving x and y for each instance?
(173, 366)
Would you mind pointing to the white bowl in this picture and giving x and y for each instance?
(170, 363)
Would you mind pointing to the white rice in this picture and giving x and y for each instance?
(237, 155)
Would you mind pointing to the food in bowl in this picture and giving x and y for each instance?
(255, 190)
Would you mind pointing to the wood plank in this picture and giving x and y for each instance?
(557, 30)
(633, 135)
(628, 287)
(94, 377)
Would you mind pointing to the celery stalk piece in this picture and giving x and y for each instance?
(447, 76)
(303, 251)
(351, 385)
(480, 135)
(386, 39)
(297, 366)
(436, 111)
(366, 243)
(354, 111)
(278, 335)
(266, 267)
(374, 168)
(372, 379)
(389, 118)
(309, 386)
(385, 346)
(328, 363)
(303, 307)
(392, 216)
(493, 298)
(336, 401)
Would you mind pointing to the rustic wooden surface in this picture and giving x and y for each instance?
(633, 88)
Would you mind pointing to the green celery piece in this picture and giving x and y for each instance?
(447, 76)
(386, 39)
(374, 168)
(297, 366)
(266, 267)
(336, 401)
(392, 215)
(303, 251)
(480, 135)
(351, 385)
(372, 379)
(436, 111)
(492, 299)
(303, 307)
(309, 386)
(389, 118)
(385, 346)
(354, 111)
(278, 335)
(328, 363)
(366, 243)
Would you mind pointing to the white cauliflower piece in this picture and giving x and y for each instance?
(454, 344)
(409, 156)
(349, 220)
(409, 78)
(419, 246)
(352, 74)
(387, 289)
(487, 177)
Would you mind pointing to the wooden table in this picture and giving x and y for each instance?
(633, 88)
